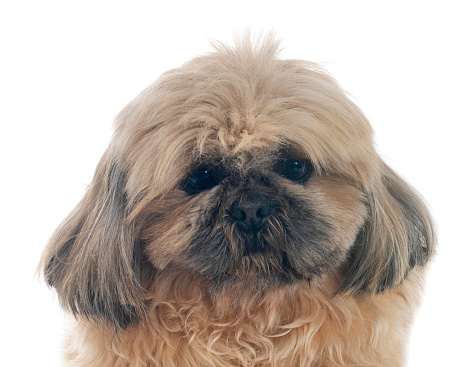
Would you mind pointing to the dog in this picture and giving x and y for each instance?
(241, 216)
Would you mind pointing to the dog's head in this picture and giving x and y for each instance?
(240, 168)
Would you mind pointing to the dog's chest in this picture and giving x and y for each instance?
(310, 334)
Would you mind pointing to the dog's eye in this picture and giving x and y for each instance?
(294, 169)
(203, 178)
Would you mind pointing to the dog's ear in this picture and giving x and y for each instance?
(92, 260)
(397, 236)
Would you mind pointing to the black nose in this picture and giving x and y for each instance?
(251, 211)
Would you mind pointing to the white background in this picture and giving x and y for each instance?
(67, 68)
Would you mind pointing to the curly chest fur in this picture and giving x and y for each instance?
(300, 327)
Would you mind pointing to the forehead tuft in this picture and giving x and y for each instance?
(242, 99)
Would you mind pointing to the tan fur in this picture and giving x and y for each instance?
(124, 261)
(304, 327)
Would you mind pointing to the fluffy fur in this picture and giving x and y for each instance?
(162, 270)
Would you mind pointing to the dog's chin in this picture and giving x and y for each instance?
(254, 284)
(266, 266)
(259, 267)
(270, 258)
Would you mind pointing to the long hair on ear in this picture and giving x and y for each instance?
(92, 259)
(397, 236)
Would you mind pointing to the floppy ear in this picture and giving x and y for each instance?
(397, 236)
(93, 259)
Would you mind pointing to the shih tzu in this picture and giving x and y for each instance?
(241, 217)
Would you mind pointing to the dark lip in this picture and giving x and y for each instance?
(254, 229)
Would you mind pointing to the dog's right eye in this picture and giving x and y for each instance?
(203, 178)
(296, 170)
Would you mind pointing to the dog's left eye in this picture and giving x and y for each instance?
(203, 178)
(294, 169)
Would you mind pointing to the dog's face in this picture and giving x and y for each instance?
(266, 215)
(242, 169)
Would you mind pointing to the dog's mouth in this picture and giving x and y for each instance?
(242, 256)
(258, 243)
